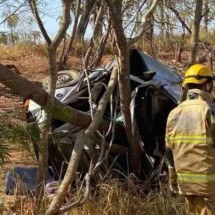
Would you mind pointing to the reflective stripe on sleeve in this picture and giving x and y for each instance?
(191, 139)
(194, 177)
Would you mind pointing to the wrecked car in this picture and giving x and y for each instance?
(155, 92)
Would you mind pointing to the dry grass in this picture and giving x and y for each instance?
(121, 198)
(111, 199)
(31, 61)
(17, 52)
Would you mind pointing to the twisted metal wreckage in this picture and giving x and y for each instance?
(155, 92)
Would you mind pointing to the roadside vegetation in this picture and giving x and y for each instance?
(178, 33)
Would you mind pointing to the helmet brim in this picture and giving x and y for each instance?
(193, 80)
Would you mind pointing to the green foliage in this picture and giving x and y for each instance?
(207, 38)
(4, 149)
(19, 135)
(4, 152)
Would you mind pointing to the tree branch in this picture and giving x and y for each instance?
(79, 202)
(88, 7)
(64, 57)
(8, 17)
(66, 5)
(144, 20)
(62, 112)
(86, 58)
(180, 18)
(33, 6)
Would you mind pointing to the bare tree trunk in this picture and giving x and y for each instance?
(115, 8)
(123, 54)
(89, 4)
(206, 10)
(184, 25)
(99, 23)
(162, 18)
(12, 35)
(43, 146)
(102, 46)
(180, 47)
(65, 54)
(53, 69)
(195, 31)
(149, 36)
(91, 44)
(124, 83)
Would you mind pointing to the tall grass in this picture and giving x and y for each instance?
(111, 198)
(114, 198)
(19, 51)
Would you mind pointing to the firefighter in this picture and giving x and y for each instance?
(190, 143)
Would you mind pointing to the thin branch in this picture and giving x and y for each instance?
(79, 202)
(180, 19)
(205, 13)
(89, 91)
(86, 58)
(65, 54)
(136, 15)
(102, 104)
(34, 9)
(66, 4)
(101, 48)
(88, 8)
(14, 12)
(144, 20)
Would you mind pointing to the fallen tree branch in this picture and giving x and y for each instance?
(29, 90)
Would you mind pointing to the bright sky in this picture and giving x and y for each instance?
(51, 19)
(49, 13)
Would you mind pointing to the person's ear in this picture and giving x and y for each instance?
(209, 87)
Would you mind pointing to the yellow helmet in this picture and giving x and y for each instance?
(197, 74)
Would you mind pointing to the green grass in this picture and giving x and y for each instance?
(16, 135)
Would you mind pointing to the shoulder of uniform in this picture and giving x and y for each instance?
(174, 111)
